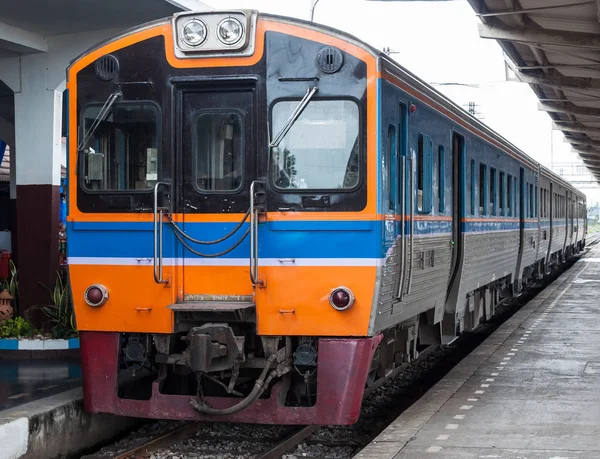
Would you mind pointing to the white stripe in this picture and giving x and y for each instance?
(106, 261)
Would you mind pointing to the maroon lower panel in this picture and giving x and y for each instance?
(37, 244)
(342, 373)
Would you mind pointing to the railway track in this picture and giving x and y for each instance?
(204, 440)
(259, 448)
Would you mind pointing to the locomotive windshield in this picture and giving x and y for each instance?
(122, 151)
(321, 150)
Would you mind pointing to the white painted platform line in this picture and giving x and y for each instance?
(51, 386)
(14, 437)
(17, 396)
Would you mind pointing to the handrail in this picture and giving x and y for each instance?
(158, 237)
(254, 237)
(412, 224)
(400, 293)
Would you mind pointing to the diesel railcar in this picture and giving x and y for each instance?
(266, 215)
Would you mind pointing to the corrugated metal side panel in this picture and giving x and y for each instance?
(488, 257)
(429, 281)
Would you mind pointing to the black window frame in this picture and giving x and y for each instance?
(159, 154)
(362, 148)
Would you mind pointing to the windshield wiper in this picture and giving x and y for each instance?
(310, 92)
(101, 115)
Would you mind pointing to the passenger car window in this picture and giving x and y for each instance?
(424, 174)
(122, 153)
(482, 189)
(322, 149)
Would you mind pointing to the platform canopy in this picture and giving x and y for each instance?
(25, 25)
(554, 46)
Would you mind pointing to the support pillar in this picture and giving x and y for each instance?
(12, 207)
(38, 117)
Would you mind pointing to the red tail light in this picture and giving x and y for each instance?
(341, 298)
(96, 295)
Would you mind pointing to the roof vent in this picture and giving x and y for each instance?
(330, 59)
(107, 67)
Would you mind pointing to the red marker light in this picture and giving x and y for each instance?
(413, 108)
(96, 295)
(341, 299)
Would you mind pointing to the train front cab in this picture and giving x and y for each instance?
(223, 251)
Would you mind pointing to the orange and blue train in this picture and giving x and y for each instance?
(266, 216)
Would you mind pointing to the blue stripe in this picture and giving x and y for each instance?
(131, 240)
(378, 147)
(9, 344)
(277, 239)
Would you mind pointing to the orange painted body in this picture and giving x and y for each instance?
(295, 300)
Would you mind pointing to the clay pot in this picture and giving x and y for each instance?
(6, 310)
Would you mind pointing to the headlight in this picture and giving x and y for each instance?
(194, 32)
(230, 31)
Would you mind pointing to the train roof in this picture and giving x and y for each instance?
(384, 59)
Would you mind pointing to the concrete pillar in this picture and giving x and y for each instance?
(7, 134)
(13, 204)
(38, 139)
(38, 82)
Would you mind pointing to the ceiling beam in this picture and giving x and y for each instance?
(568, 108)
(558, 66)
(574, 127)
(561, 81)
(540, 36)
(514, 5)
(21, 40)
(586, 152)
(533, 10)
(570, 99)
(584, 141)
(590, 160)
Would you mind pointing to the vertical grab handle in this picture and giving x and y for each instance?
(400, 291)
(412, 223)
(254, 237)
(158, 237)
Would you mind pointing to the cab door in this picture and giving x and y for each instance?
(216, 168)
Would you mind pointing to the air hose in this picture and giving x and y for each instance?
(259, 387)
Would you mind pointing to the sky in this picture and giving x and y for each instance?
(439, 42)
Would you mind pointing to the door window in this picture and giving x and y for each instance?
(218, 152)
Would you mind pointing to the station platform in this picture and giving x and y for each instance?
(530, 390)
(42, 415)
(23, 381)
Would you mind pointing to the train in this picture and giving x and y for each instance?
(267, 216)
